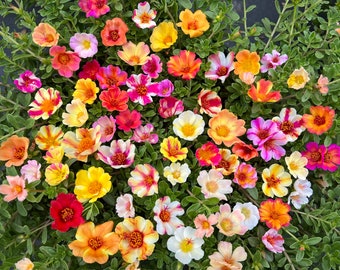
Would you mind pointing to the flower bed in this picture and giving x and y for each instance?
(169, 135)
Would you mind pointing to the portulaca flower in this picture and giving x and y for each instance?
(124, 206)
(188, 125)
(250, 212)
(177, 173)
(85, 45)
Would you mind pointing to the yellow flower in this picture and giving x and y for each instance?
(56, 173)
(298, 79)
(247, 62)
(296, 165)
(76, 115)
(171, 149)
(275, 181)
(193, 24)
(86, 91)
(134, 54)
(92, 184)
(48, 137)
(54, 155)
(163, 36)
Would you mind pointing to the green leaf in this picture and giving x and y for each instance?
(313, 241)
(186, 4)
(21, 209)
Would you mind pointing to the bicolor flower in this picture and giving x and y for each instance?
(143, 16)
(76, 114)
(170, 106)
(31, 171)
(298, 79)
(176, 173)
(262, 92)
(245, 176)
(276, 181)
(65, 62)
(244, 151)
(56, 173)
(228, 164)
(139, 90)
(94, 8)
(111, 76)
(49, 137)
(210, 103)
(27, 82)
(145, 134)
(296, 165)
(250, 212)
(208, 154)
(124, 206)
(230, 222)
(188, 125)
(171, 149)
(273, 241)
(107, 127)
(133, 54)
(220, 66)
(144, 180)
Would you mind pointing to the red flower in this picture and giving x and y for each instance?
(67, 212)
(263, 93)
(111, 76)
(208, 154)
(64, 61)
(89, 71)
(127, 120)
(114, 99)
(245, 151)
(170, 106)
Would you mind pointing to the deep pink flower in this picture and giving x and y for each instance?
(64, 61)
(271, 61)
(89, 70)
(170, 106)
(220, 66)
(139, 89)
(144, 134)
(94, 8)
(261, 130)
(208, 154)
(163, 88)
(107, 127)
(331, 158)
(27, 82)
(315, 154)
(272, 148)
(128, 120)
(273, 241)
(111, 76)
(153, 66)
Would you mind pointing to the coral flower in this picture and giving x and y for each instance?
(140, 90)
(143, 16)
(94, 8)
(275, 213)
(128, 120)
(176, 173)
(124, 206)
(46, 102)
(193, 24)
(323, 84)
(170, 106)
(208, 154)
(89, 70)
(82, 143)
(163, 36)
(64, 61)
(14, 150)
(76, 114)
(171, 149)
(315, 154)
(331, 158)
(204, 225)
(273, 241)
(245, 176)
(184, 65)
(27, 82)
(320, 120)
(228, 163)
(263, 93)
(15, 189)
(24, 264)
(92, 184)
(244, 151)
(49, 137)
(210, 103)
(247, 62)
(225, 127)
(133, 54)
(114, 32)
(66, 211)
(144, 180)
(107, 127)
(111, 76)
(137, 238)
(85, 45)
(275, 181)
(220, 66)
(296, 165)
(231, 222)
(56, 173)
(120, 154)
(298, 79)
(95, 243)
(153, 66)
(188, 125)
(86, 91)
(114, 99)
(45, 35)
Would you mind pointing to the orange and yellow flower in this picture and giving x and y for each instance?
(184, 65)
(171, 149)
(262, 92)
(137, 238)
(86, 91)
(275, 181)
(298, 79)
(14, 150)
(163, 36)
(45, 35)
(95, 243)
(320, 120)
(229, 162)
(275, 213)
(225, 128)
(247, 62)
(76, 114)
(54, 155)
(114, 32)
(193, 24)
(133, 54)
(48, 137)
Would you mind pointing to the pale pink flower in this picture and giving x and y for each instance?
(85, 45)
(139, 89)
(273, 241)
(15, 189)
(297, 199)
(27, 82)
(210, 103)
(204, 225)
(133, 266)
(250, 212)
(24, 264)
(144, 180)
(107, 127)
(323, 84)
(165, 214)
(31, 171)
(303, 187)
(170, 106)
(220, 66)
(144, 134)
(247, 77)
(230, 222)
(124, 206)
(143, 16)
(153, 66)
(273, 60)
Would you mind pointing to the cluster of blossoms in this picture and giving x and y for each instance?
(110, 142)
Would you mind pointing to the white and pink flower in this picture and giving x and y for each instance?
(139, 89)
(273, 241)
(220, 66)
(143, 16)
(144, 134)
(230, 222)
(107, 127)
(85, 45)
(144, 180)
(210, 103)
(124, 206)
(31, 171)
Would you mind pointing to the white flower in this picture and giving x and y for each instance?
(24, 264)
(188, 125)
(297, 199)
(177, 173)
(303, 187)
(186, 245)
(250, 212)
(124, 206)
(143, 16)
(296, 165)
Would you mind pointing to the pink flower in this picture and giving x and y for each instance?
(85, 45)
(120, 154)
(15, 189)
(231, 222)
(323, 84)
(261, 130)
(245, 176)
(315, 154)
(170, 106)
(272, 148)
(124, 206)
(163, 88)
(273, 241)
(166, 213)
(64, 61)
(143, 16)
(208, 154)
(127, 120)
(153, 66)
(27, 82)
(331, 158)
(204, 225)
(31, 171)
(107, 127)
(139, 89)
(111, 76)
(144, 134)
(144, 180)
(271, 61)
(94, 8)
(220, 66)
(210, 102)
(89, 70)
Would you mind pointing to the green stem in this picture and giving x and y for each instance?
(18, 130)
(206, 207)
(335, 81)
(12, 102)
(292, 26)
(292, 235)
(245, 18)
(289, 260)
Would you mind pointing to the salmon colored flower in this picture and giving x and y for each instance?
(247, 77)
(111, 76)
(15, 189)
(56, 173)
(171, 149)
(64, 61)
(247, 62)
(276, 181)
(86, 91)
(24, 264)
(204, 225)
(228, 163)
(45, 35)
(245, 176)
(184, 65)
(210, 103)
(244, 151)
(143, 16)
(133, 54)
(208, 154)
(92, 184)
(231, 222)
(144, 180)
(323, 84)
(188, 125)
(76, 114)
(114, 99)
(46, 102)
(220, 66)
(94, 8)
(331, 158)
(14, 150)
(320, 120)
(54, 155)
(95, 243)
(27, 82)
(137, 238)
(298, 79)
(82, 143)
(263, 93)
(163, 36)
(225, 127)
(49, 137)
(193, 24)
(114, 32)
(275, 213)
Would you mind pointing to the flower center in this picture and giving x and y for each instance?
(286, 126)
(118, 159)
(221, 71)
(148, 181)
(114, 35)
(293, 166)
(212, 186)
(94, 187)
(319, 120)
(186, 245)
(192, 25)
(164, 215)
(18, 189)
(86, 44)
(315, 156)
(63, 58)
(299, 79)
(272, 181)
(246, 212)
(167, 39)
(224, 164)
(136, 239)
(263, 134)
(176, 174)
(66, 214)
(95, 242)
(49, 38)
(47, 106)
(226, 225)
(205, 225)
(241, 177)
(188, 130)
(111, 81)
(327, 158)
(85, 144)
(145, 18)
(99, 4)
(19, 152)
(222, 131)
(141, 90)
(185, 69)
(108, 130)
(134, 59)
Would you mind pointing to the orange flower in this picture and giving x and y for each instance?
(14, 150)
(320, 120)
(193, 24)
(225, 127)
(95, 243)
(275, 213)
(184, 65)
(244, 151)
(247, 62)
(262, 92)
(114, 32)
(45, 35)
(49, 137)
(86, 91)
(228, 163)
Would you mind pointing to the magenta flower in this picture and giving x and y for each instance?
(315, 154)
(107, 127)
(94, 8)
(111, 76)
(85, 45)
(153, 66)
(273, 241)
(220, 66)
(271, 61)
(27, 82)
(331, 158)
(271, 148)
(170, 106)
(261, 130)
(208, 154)
(139, 89)
(163, 88)
(144, 134)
